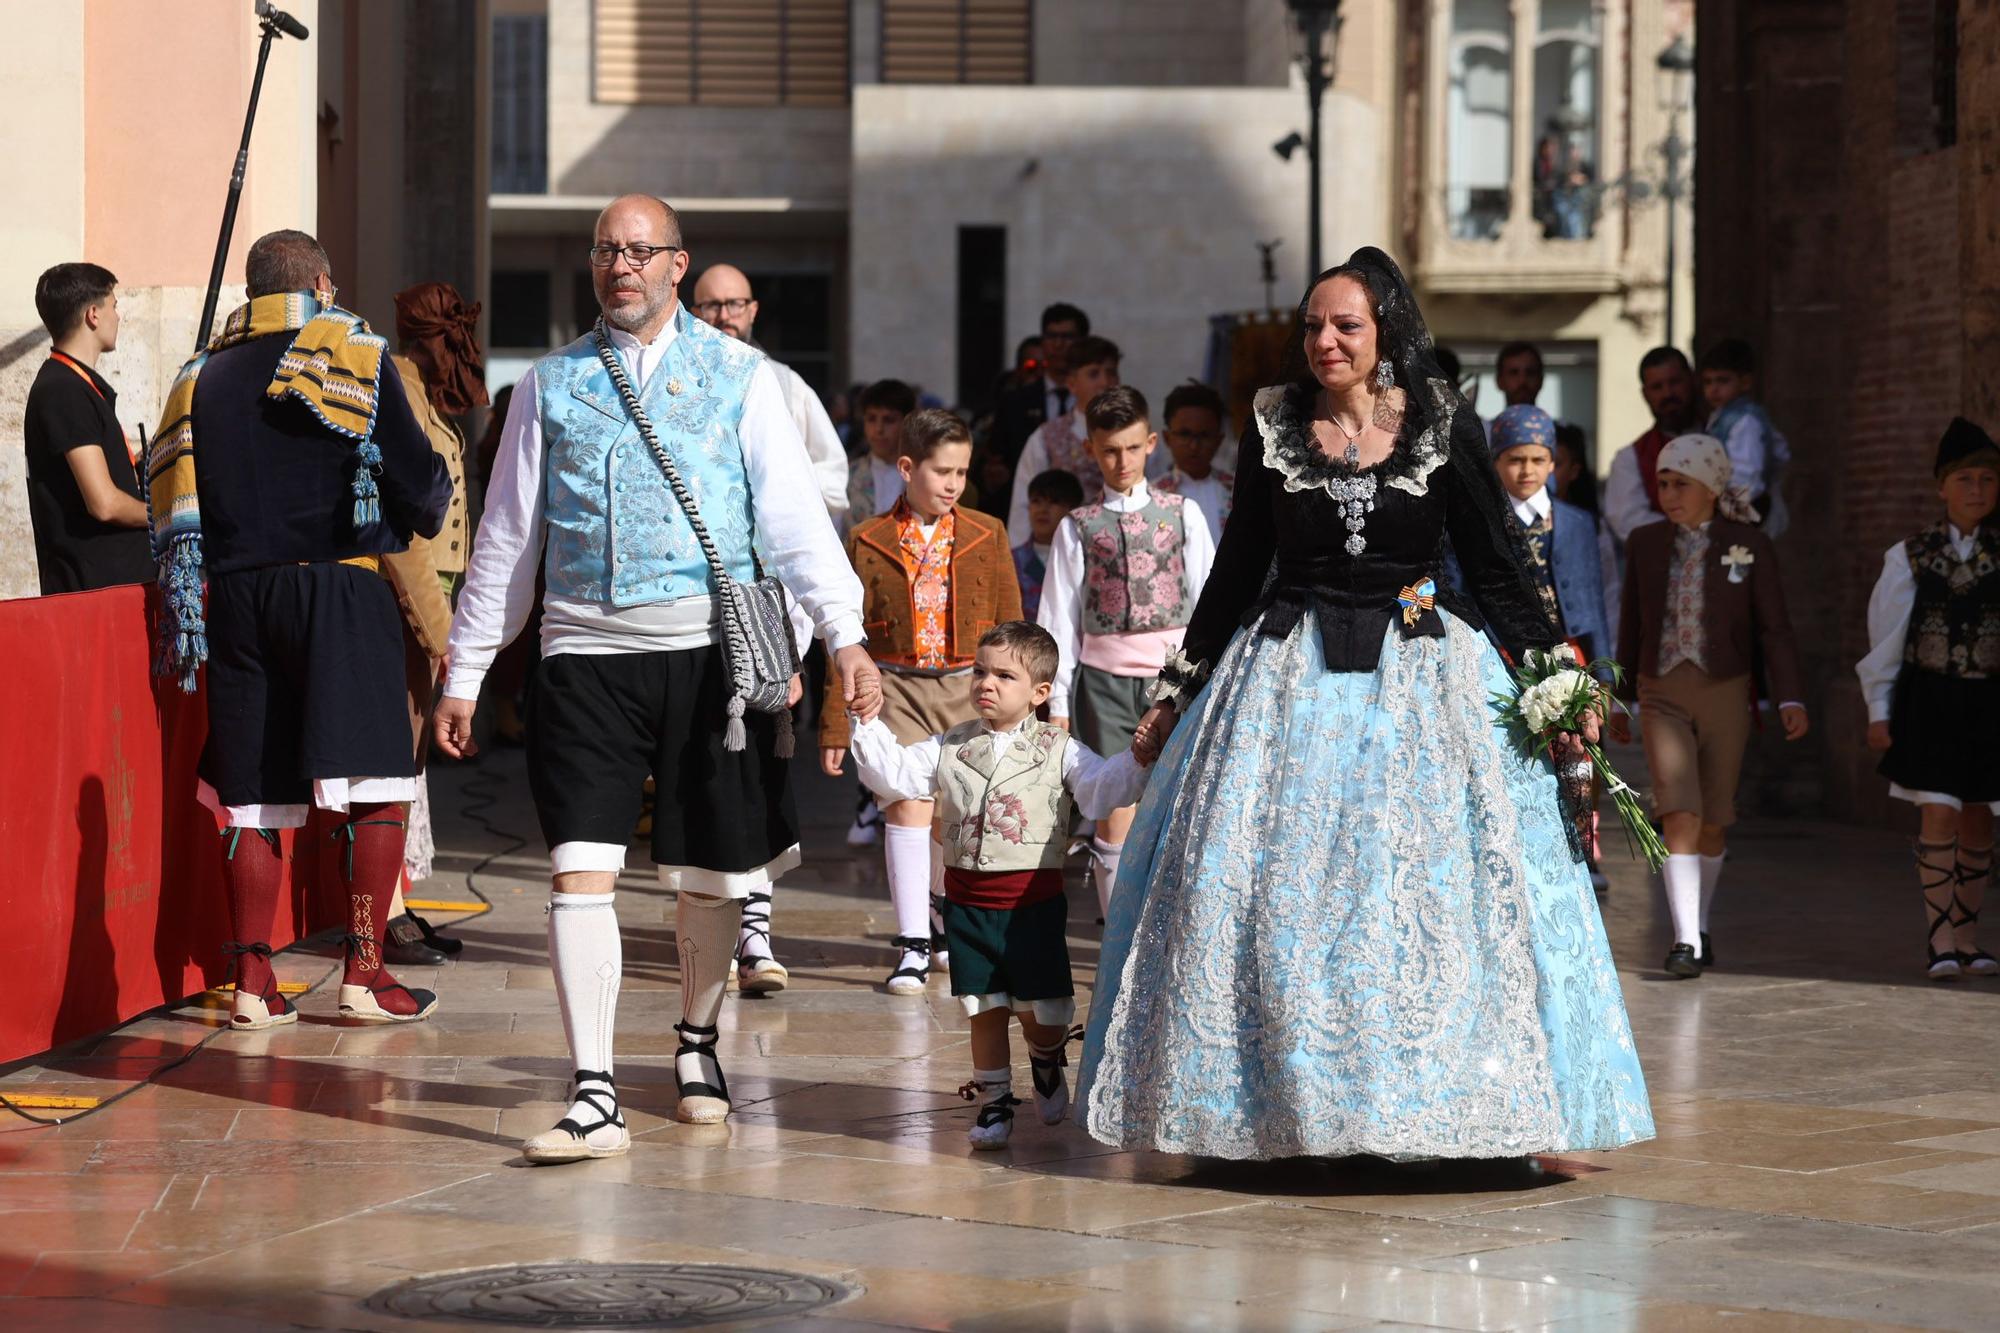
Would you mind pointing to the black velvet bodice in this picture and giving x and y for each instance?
(1286, 547)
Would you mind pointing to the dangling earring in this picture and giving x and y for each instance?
(1385, 374)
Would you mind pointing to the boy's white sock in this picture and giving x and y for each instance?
(1104, 858)
(995, 1120)
(1711, 872)
(1683, 876)
(907, 855)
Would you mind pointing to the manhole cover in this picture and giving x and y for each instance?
(583, 1295)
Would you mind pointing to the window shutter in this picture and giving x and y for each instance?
(957, 41)
(721, 52)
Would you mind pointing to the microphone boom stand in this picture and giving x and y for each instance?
(273, 22)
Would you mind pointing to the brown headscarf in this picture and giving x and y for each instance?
(436, 329)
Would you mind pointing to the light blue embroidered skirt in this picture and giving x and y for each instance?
(1348, 922)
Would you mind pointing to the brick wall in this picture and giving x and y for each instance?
(1857, 252)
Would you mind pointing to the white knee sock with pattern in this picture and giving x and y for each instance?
(705, 930)
(588, 958)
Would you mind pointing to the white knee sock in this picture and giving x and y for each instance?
(585, 950)
(706, 931)
(1104, 858)
(1711, 872)
(907, 852)
(1683, 876)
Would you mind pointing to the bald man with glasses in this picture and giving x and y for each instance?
(722, 298)
(633, 681)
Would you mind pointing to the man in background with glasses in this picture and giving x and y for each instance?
(723, 299)
(633, 683)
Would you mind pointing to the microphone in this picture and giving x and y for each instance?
(280, 20)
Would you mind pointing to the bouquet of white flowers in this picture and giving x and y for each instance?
(1553, 695)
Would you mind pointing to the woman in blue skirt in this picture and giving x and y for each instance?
(1349, 919)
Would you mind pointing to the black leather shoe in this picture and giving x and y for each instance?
(1707, 951)
(1681, 961)
(436, 938)
(405, 946)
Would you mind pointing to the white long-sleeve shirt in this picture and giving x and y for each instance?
(1061, 614)
(1626, 507)
(1889, 608)
(898, 772)
(796, 541)
(829, 458)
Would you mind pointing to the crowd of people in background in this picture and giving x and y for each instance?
(1027, 574)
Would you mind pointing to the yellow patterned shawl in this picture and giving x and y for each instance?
(333, 366)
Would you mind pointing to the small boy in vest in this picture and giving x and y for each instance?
(934, 577)
(1124, 576)
(1005, 785)
(1051, 495)
(1932, 682)
(1065, 442)
(1194, 433)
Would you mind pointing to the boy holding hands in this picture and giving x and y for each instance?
(1124, 576)
(1004, 785)
(934, 578)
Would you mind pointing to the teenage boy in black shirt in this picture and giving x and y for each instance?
(83, 494)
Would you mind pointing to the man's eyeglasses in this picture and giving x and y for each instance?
(735, 305)
(638, 256)
(1195, 436)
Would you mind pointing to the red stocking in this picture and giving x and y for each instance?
(255, 871)
(370, 863)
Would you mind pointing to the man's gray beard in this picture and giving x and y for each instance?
(631, 321)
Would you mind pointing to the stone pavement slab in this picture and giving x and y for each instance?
(1829, 1150)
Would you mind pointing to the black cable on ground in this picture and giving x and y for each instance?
(482, 786)
(152, 1075)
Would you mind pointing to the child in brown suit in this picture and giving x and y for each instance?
(935, 578)
(1702, 597)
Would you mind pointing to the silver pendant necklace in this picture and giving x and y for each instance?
(1353, 496)
(1351, 455)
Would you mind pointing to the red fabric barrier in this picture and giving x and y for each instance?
(113, 891)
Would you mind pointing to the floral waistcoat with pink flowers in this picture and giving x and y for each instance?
(1001, 802)
(1135, 567)
(1070, 453)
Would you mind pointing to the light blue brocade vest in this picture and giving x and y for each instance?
(615, 533)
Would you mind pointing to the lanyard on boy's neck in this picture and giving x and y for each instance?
(81, 373)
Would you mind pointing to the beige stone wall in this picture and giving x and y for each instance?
(1143, 206)
(116, 140)
(602, 149)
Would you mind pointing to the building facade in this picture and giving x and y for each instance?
(908, 182)
(120, 130)
(1849, 189)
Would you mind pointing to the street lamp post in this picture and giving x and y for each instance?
(1318, 24)
(1676, 65)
